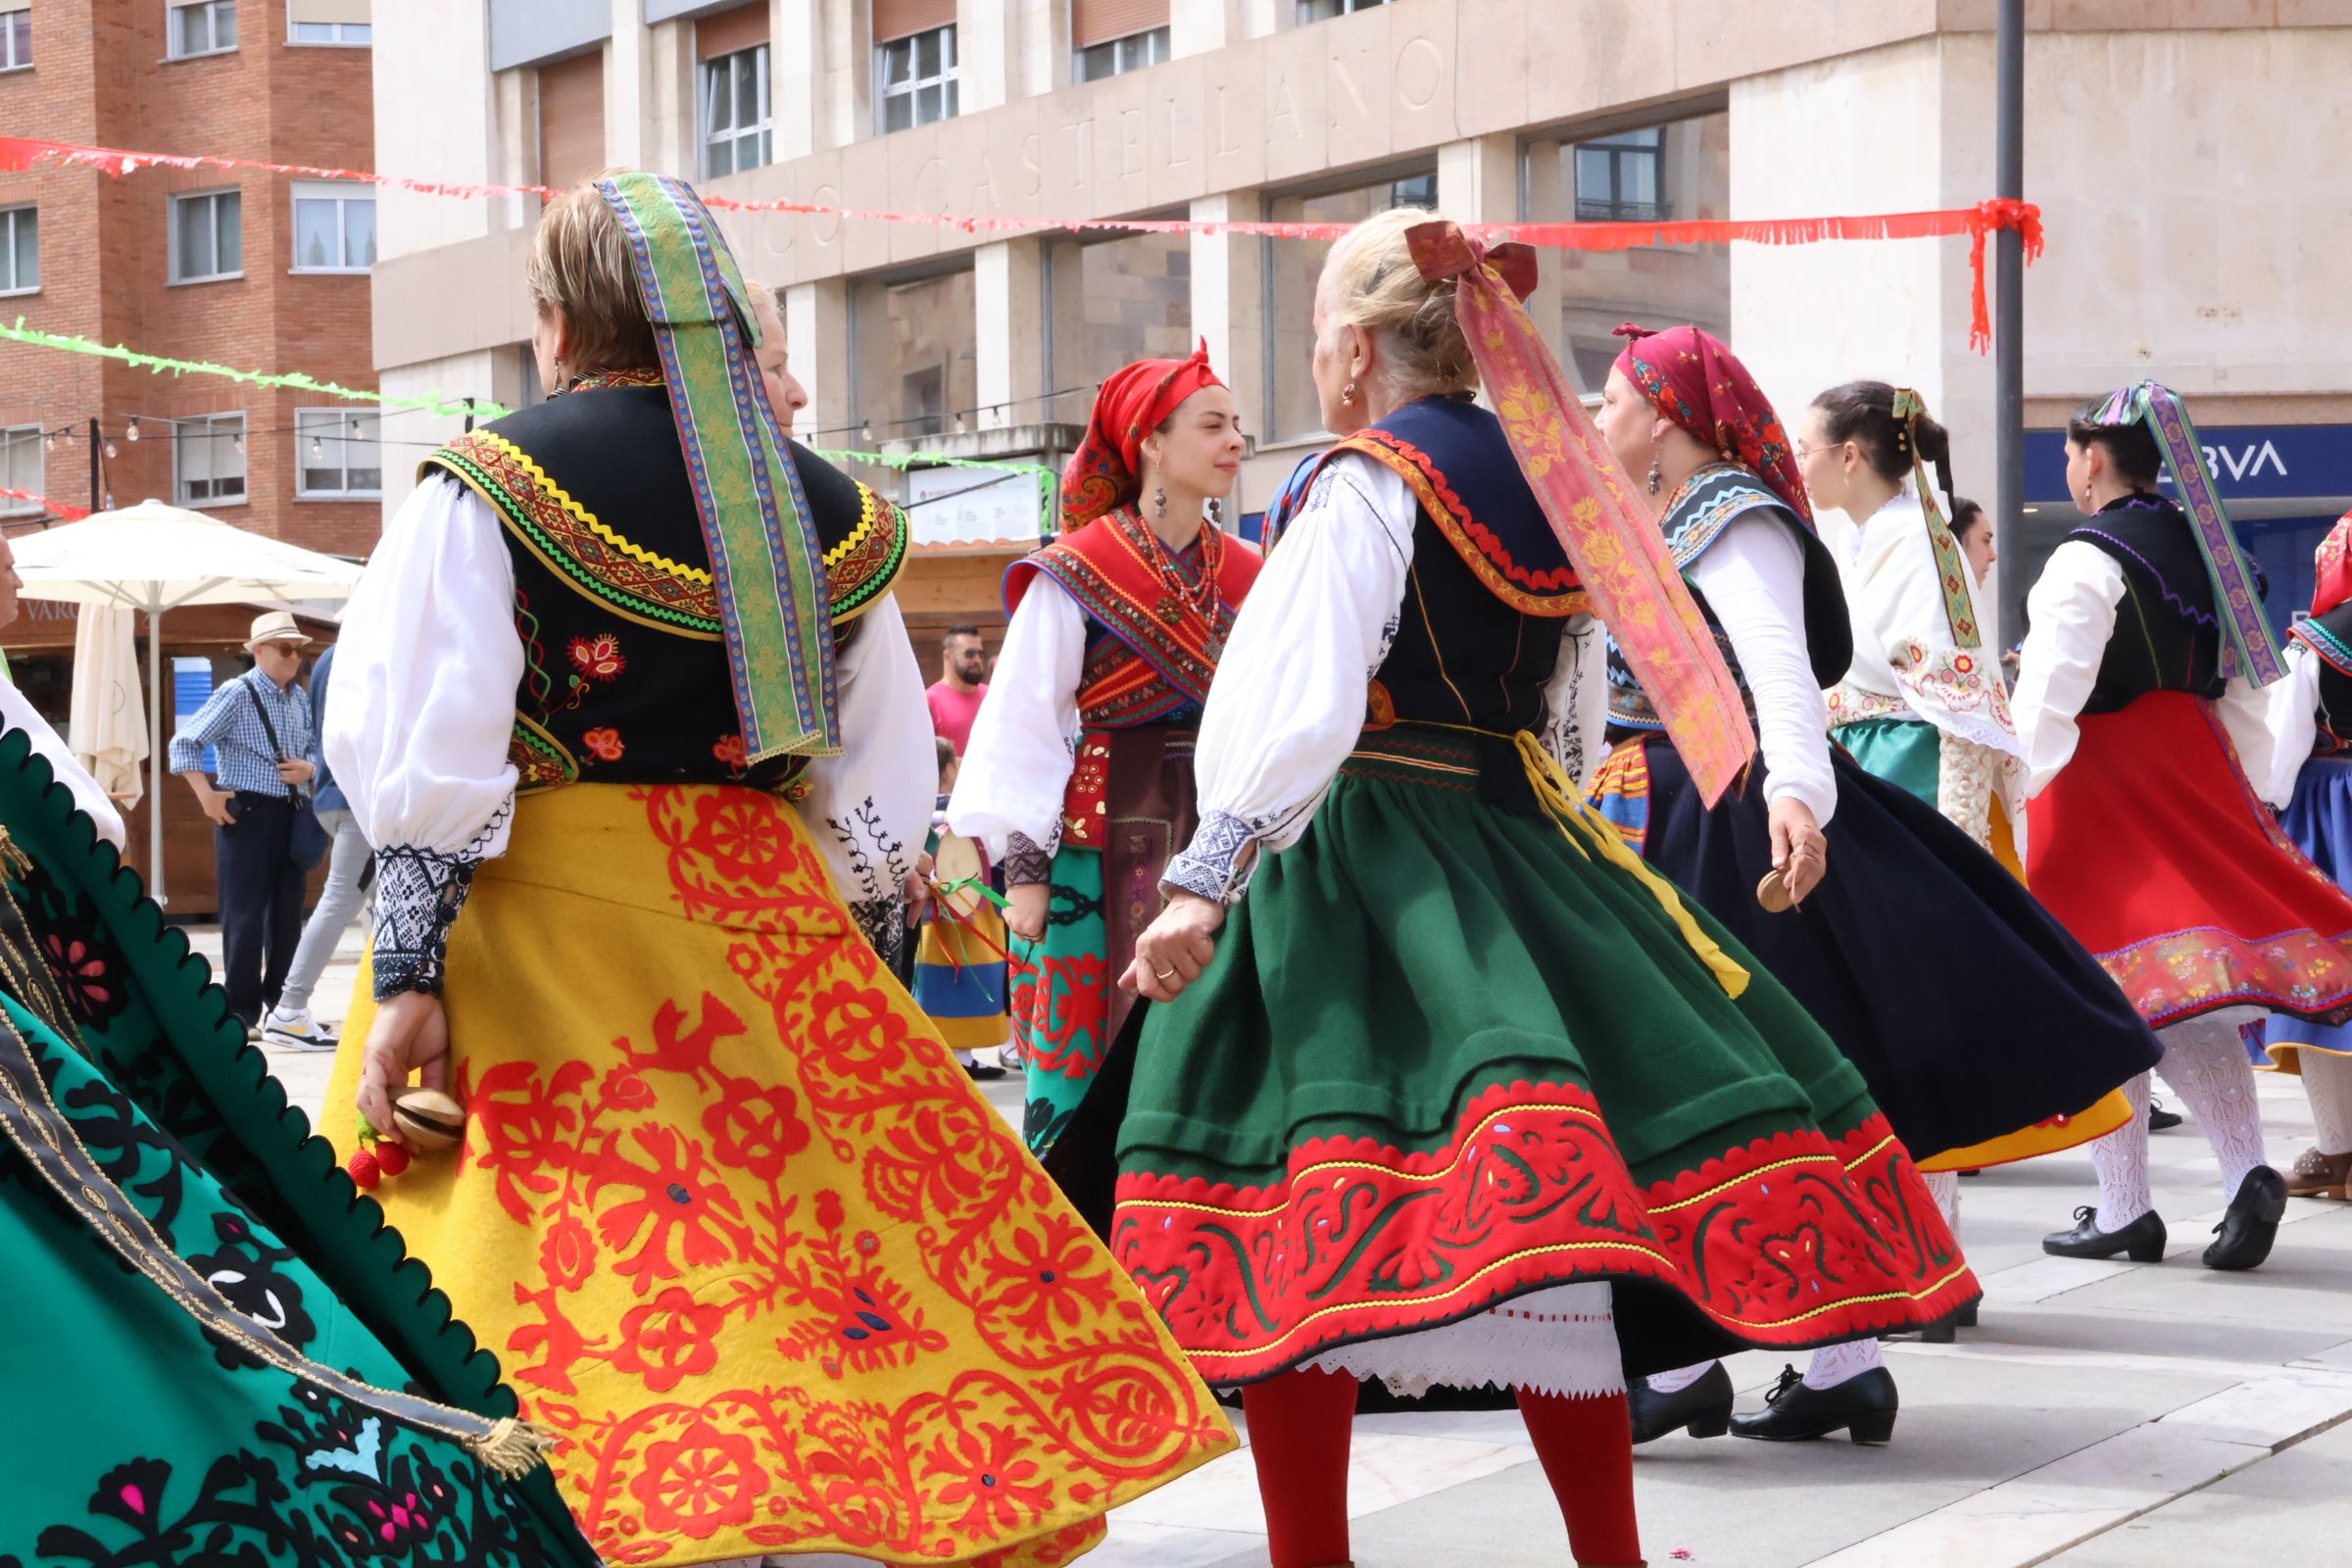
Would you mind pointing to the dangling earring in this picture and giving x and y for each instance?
(1159, 505)
(1657, 476)
(1215, 515)
(1348, 393)
(558, 388)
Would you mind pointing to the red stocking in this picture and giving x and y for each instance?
(1300, 1424)
(1586, 1447)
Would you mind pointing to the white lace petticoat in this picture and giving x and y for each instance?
(1561, 1340)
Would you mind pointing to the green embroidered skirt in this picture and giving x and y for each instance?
(1452, 1049)
(267, 1380)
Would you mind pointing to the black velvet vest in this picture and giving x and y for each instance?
(625, 674)
(2167, 636)
(1478, 634)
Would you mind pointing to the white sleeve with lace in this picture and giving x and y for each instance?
(2071, 613)
(1576, 701)
(2244, 710)
(870, 806)
(1014, 773)
(1754, 577)
(427, 666)
(2294, 724)
(1288, 698)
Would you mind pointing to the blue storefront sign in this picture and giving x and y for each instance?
(2249, 463)
(2295, 476)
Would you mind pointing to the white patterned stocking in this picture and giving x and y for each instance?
(2121, 1159)
(1945, 1187)
(1832, 1364)
(2327, 1082)
(1681, 1378)
(2205, 1063)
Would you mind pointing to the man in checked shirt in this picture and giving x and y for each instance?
(252, 807)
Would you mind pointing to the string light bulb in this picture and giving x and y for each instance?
(240, 443)
(110, 449)
(130, 431)
(866, 434)
(49, 442)
(317, 449)
(959, 424)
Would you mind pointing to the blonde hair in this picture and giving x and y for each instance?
(1369, 280)
(580, 261)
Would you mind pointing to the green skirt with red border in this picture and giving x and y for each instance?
(1449, 1053)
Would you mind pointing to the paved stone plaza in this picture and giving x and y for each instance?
(2105, 1415)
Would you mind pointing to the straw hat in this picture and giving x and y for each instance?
(277, 626)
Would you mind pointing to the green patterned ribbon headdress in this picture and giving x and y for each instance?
(765, 556)
(2248, 648)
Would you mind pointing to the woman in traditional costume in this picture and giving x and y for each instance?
(214, 1351)
(628, 710)
(2311, 781)
(2024, 1026)
(1457, 1067)
(1921, 705)
(2138, 698)
(1079, 778)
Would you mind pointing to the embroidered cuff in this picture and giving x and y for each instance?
(418, 893)
(883, 924)
(1220, 860)
(1025, 863)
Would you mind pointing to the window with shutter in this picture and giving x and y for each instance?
(572, 120)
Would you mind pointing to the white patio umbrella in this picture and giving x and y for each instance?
(154, 558)
(107, 722)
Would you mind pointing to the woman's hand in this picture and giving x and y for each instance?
(411, 1034)
(1025, 915)
(1800, 851)
(917, 891)
(1173, 951)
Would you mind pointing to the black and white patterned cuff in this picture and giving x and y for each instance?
(1025, 863)
(1220, 860)
(883, 924)
(418, 893)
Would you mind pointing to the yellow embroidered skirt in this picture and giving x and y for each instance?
(739, 1228)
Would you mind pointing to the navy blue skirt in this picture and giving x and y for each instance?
(1968, 1009)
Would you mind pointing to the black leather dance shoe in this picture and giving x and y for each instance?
(2141, 1240)
(2243, 1238)
(1863, 1407)
(1703, 1409)
(2161, 1120)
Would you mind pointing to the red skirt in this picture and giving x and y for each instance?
(2158, 855)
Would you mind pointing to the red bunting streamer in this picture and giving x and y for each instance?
(23, 153)
(56, 508)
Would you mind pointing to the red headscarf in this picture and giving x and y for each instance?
(2331, 568)
(1694, 379)
(1105, 472)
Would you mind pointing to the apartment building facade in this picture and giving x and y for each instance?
(239, 269)
(2182, 151)
(235, 268)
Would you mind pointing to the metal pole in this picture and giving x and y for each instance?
(97, 496)
(155, 757)
(2009, 328)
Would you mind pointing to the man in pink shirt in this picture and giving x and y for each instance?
(955, 696)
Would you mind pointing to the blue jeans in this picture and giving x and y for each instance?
(339, 901)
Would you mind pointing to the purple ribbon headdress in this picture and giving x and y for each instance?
(2250, 650)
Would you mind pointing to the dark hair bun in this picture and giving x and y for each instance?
(1933, 441)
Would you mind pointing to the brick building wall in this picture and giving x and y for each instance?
(101, 75)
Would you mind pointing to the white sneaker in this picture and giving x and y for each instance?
(297, 1030)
